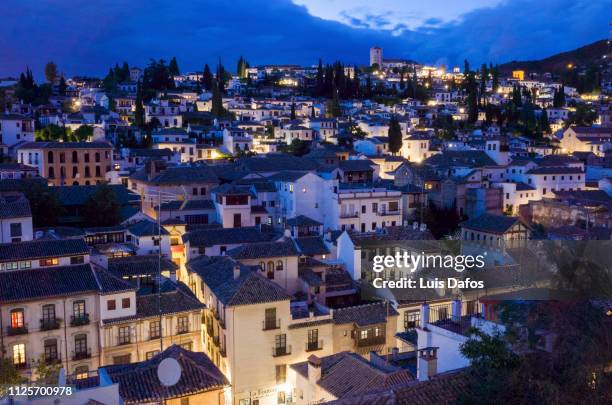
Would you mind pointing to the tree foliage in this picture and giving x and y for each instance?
(44, 203)
(573, 372)
(102, 207)
(51, 73)
(395, 135)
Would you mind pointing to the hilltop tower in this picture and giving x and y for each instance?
(376, 56)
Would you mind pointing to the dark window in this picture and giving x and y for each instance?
(48, 312)
(124, 335)
(154, 329)
(77, 260)
(125, 303)
(50, 350)
(16, 230)
(182, 324)
(80, 344)
(111, 305)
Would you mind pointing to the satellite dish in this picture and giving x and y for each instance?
(169, 372)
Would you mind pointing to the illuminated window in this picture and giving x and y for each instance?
(17, 318)
(81, 372)
(19, 355)
(54, 261)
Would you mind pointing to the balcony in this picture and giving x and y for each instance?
(216, 340)
(349, 215)
(53, 360)
(79, 320)
(182, 329)
(209, 328)
(388, 213)
(154, 336)
(313, 346)
(17, 330)
(371, 341)
(49, 324)
(281, 351)
(271, 324)
(81, 355)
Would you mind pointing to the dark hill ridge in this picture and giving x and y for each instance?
(586, 55)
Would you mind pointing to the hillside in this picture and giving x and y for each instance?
(586, 55)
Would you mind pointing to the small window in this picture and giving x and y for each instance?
(125, 303)
(111, 305)
(77, 260)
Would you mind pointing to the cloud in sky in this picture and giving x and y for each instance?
(88, 37)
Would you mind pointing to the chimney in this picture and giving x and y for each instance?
(173, 276)
(427, 363)
(394, 353)
(424, 316)
(328, 235)
(314, 370)
(287, 232)
(236, 271)
(456, 310)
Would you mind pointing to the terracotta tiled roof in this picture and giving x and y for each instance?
(138, 382)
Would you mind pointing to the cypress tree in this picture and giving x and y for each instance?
(173, 67)
(217, 101)
(207, 78)
(395, 135)
(139, 118)
(293, 110)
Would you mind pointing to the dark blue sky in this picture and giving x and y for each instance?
(88, 37)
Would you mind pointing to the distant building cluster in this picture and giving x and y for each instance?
(231, 228)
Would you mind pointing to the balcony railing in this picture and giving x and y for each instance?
(312, 346)
(349, 215)
(81, 354)
(371, 341)
(270, 324)
(79, 320)
(49, 324)
(53, 360)
(388, 213)
(17, 330)
(182, 329)
(278, 351)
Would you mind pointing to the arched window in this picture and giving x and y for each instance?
(270, 272)
(75, 171)
(262, 266)
(51, 173)
(75, 157)
(50, 157)
(279, 265)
